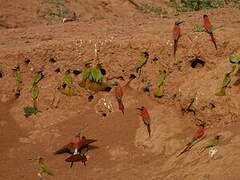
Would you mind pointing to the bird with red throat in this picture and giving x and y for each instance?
(209, 29)
(146, 118)
(176, 35)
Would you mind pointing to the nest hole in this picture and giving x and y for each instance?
(90, 98)
(103, 71)
(197, 62)
(52, 60)
(27, 61)
(77, 72)
(108, 89)
(57, 70)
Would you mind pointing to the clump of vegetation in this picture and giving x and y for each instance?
(29, 110)
(226, 81)
(200, 28)
(159, 91)
(235, 60)
(59, 9)
(93, 78)
(150, 8)
(234, 3)
(196, 5)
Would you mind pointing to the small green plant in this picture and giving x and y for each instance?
(29, 110)
(93, 74)
(235, 60)
(159, 91)
(196, 5)
(226, 81)
(93, 79)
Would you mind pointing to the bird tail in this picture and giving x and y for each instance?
(187, 148)
(71, 165)
(120, 105)
(213, 40)
(175, 47)
(149, 130)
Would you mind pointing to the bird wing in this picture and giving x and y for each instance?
(87, 148)
(226, 80)
(161, 78)
(68, 148)
(118, 92)
(37, 77)
(87, 142)
(176, 32)
(211, 142)
(198, 134)
(141, 63)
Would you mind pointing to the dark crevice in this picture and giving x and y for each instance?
(90, 98)
(237, 82)
(103, 71)
(27, 61)
(108, 89)
(52, 60)
(77, 72)
(57, 70)
(197, 62)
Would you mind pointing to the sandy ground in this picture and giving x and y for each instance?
(121, 34)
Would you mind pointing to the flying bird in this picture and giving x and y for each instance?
(76, 147)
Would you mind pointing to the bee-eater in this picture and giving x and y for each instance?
(176, 35)
(146, 118)
(196, 137)
(76, 146)
(118, 91)
(44, 167)
(211, 143)
(38, 76)
(19, 80)
(141, 62)
(209, 28)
